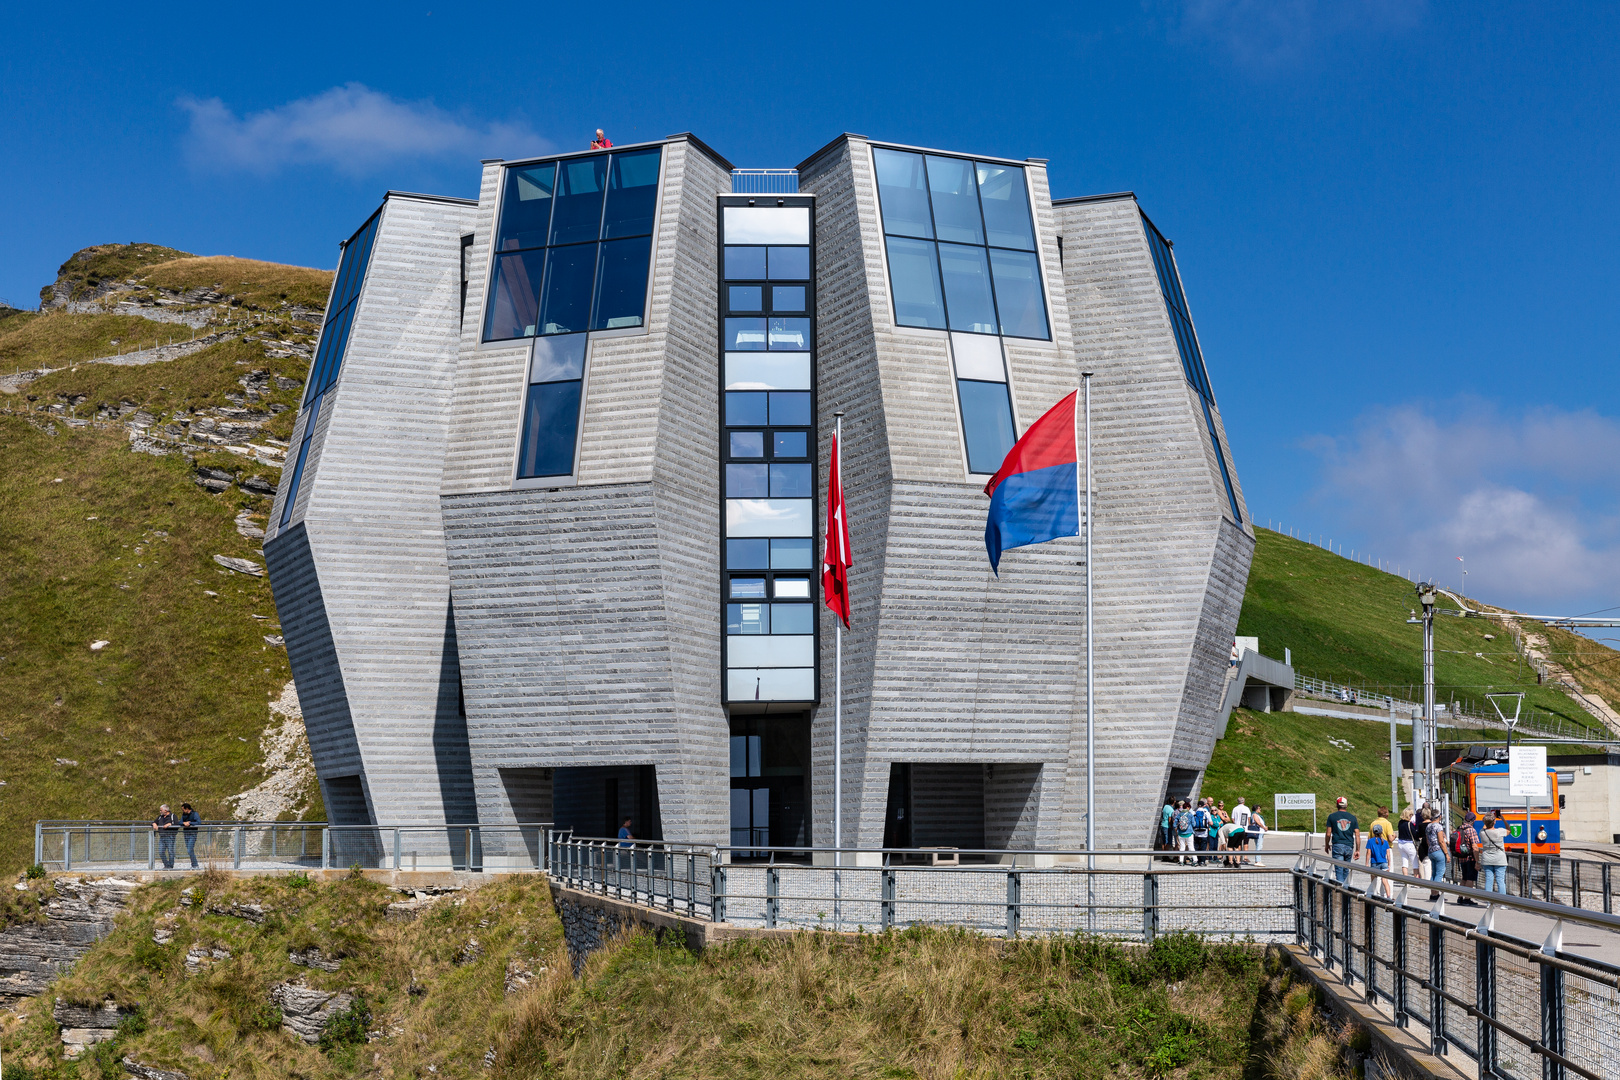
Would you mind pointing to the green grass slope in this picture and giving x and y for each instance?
(101, 543)
(480, 985)
(1346, 622)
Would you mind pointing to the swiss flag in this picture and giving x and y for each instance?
(836, 558)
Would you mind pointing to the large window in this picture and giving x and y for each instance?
(573, 247)
(961, 245)
(768, 452)
(551, 407)
(1192, 357)
(981, 388)
(334, 342)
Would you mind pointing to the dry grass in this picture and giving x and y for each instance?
(262, 285)
(56, 338)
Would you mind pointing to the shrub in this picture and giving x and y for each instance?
(347, 1028)
(36, 872)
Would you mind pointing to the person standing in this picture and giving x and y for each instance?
(1383, 819)
(1240, 817)
(1465, 846)
(189, 820)
(1184, 830)
(1493, 856)
(601, 142)
(1165, 828)
(1201, 822)
(1378, 852)
(1406, 838)
(1257, 832)
(1434, 835)
(1342, 841)
(164, 825)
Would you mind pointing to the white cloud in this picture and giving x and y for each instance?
(351, 128)
(1272, 33)
(1531, 500)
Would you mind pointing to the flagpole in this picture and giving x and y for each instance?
(838, 712)
(1091, 714)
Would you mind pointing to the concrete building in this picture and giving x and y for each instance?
(549, 551)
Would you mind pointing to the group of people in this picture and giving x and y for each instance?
(1207, 833)
(1424, 846)
(166, 825)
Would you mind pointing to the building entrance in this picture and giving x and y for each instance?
(770, 757)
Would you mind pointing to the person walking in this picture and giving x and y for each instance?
(189, 820)
(164, 825)
(1184, 830)
(1383, 819)
(1406, 838)
(1434, 836)
(1378, 847)
(1342, 841)
(1257, 834)
(1493, 856)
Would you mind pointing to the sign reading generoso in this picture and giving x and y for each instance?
(1304, 801)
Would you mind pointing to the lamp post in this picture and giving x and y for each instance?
(1426, 595)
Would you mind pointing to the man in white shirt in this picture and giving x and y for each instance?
(1240, 818)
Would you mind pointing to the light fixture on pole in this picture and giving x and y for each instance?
(1509, 722)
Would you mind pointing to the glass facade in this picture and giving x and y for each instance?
(961, 245)
(1192, 357)
(574, 245)
(334, 343)
(768, 452)
(551, 408)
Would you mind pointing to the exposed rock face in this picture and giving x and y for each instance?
(84, 1027)
(149, 1072)
(201, 956)
(289, 769)
(306, 1011)
(253, 913)
(313, 957)
(241, 566)
(80, 915)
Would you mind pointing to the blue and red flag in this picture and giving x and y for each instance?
(1035, 496)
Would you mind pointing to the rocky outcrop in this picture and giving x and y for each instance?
(312, 957)
(288, 769)
(83, 1027)
(80, 914)
(305, 1011)
(151, 1072)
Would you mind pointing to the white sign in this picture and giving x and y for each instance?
(1527, 772)
(1305, 801)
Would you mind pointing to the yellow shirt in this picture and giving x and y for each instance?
(1389, 830)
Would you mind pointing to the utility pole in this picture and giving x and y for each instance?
(1430, 796)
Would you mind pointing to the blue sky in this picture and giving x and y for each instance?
(1396, 221)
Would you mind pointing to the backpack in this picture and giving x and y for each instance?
(1459, 846)
(1201, 819)
(1184, 821)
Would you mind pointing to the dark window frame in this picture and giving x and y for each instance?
(768, 431)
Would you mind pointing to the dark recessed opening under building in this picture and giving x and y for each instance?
(770, 770)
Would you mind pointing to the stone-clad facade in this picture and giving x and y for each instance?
(512, 558)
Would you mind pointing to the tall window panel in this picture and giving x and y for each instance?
(1192, 357)
(988, 431)
(961, 244)
(551, 407)
(574, 245)
(768, 450)
(334, 343)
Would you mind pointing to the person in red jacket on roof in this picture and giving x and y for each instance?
(601, 142)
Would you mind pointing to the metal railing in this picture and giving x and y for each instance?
(1130, 894)
(1479, 986)
(764, 181)
(1455, 716)
(270, 845)
(1554, 879)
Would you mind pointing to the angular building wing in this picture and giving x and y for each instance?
(610, 422)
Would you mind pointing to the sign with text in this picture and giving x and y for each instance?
(1527, 772)
(1306, 801)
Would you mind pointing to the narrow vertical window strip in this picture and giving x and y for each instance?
(298, 469)
(1226, 476)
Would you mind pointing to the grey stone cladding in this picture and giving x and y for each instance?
(587, 615)
(361, 581)
(465, 641)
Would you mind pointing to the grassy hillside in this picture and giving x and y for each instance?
(1347, 622)
(481, 986)
(102, 543)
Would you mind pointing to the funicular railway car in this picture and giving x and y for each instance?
(1482, 786)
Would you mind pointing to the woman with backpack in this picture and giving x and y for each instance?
(1184, 829)
(1433, 848)
(1465, 846)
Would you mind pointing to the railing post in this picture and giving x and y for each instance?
(326, 849)
(691, 883)
(1150, 908)
(1552, 1008)
(1369, 935)
(1608, 893)
(773, 883)
(151, 849)
(1347, 943)
(1485, 1004)
(67, 850)
(39, 843)
(1015, 888)
(1437, 986)
(1299, 909)
(1575, 881)
(717, 891)
(396, 849)
(1397, 959)
(888, 897)
(238, 842)
(1310, 889)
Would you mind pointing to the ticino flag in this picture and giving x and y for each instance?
(1035, 496)
(836, 559)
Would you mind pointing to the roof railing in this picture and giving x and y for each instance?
(764, 181)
